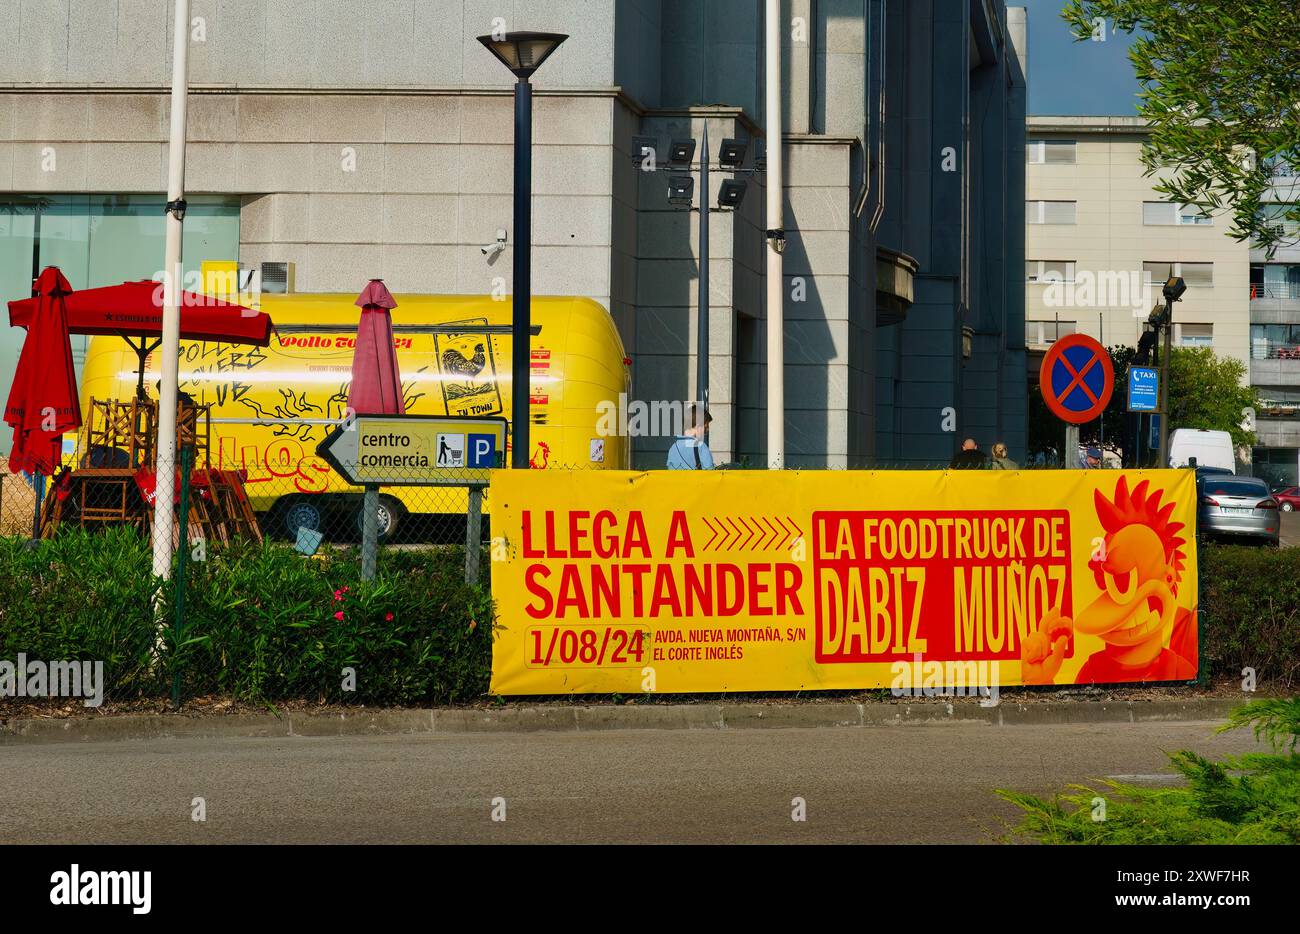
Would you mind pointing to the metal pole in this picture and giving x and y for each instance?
(1071, 447)
(163, 514)
(520, 387)
(473, 534)
(1164, 386)
(1101, 339)
(38, 488)
(187, 465)
(702, 322)
(369, 531)
(775, 222)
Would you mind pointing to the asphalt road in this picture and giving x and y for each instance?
(908, 784)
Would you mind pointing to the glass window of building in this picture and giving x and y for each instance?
(1168, 214)
(99, 239)
(1050, 151)
(1194, 335)
(1040, 333)
(1049, 212)
(1049, 270)
(1194, 274)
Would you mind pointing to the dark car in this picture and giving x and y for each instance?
(1232, 507)
(1288, 498)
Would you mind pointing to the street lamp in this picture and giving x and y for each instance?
(523, 53)
(1173, 290)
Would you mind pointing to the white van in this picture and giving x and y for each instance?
(1210, 448)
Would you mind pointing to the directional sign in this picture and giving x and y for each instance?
(415, 450)
(1143, 388)
(1076, 378)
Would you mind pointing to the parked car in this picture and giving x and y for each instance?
(1212, 471)
(1288, 498)
(1236, 507)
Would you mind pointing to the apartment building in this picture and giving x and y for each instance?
(1097, 234)
(1275, 339)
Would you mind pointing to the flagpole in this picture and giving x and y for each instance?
(776, 239)
(164, 516)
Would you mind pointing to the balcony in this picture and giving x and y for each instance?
(1263, 291)
(1274, 363)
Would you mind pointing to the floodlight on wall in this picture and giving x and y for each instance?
(523, 52)
(731, 193)
(645, 150)
(681, 189)
(681, 152)
(731, 155)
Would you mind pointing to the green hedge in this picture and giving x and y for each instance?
(263, 624)
(1250, 598)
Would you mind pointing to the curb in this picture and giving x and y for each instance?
(571, 719)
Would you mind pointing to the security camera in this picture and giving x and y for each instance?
(492, 249)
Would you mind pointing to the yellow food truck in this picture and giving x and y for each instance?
(271, 406)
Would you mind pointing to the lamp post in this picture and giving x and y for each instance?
(1173, 292)
(523, 53)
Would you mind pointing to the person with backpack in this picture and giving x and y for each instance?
(690, 451)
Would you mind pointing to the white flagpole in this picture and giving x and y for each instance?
(775, 243)
(164, 516)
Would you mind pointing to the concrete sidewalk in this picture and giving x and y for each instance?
(565, 718)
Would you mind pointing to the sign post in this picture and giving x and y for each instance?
(416, 450)
(1076, 380)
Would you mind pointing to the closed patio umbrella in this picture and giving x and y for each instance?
(376, 381)
(43, 400)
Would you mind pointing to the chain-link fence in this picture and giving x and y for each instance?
(267, 600)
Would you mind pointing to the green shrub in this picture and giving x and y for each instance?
(81, 597)
(260, 620)
(266, 623)
(1248, 799)
(1250, 606)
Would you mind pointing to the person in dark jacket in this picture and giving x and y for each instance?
(970, 457)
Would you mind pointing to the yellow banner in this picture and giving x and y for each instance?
(680, 581)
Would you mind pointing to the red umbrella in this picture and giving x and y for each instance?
(376, 381)
(134, 309)
(43, 399)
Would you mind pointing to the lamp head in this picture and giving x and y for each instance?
(522, 52)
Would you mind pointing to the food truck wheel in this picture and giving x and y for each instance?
(391, 514)
(296, 513)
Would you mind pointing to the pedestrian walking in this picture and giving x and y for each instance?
(690, 451)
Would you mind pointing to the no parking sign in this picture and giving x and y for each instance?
(1076, 379)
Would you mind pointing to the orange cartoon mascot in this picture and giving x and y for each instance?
(1138, 571)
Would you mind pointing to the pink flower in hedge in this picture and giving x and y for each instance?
(338, 595)
(339, 616)
(388, 617)
(345, 590)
